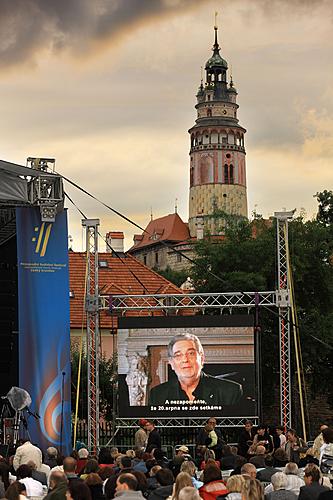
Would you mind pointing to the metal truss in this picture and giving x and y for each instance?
(46, 189)
(93, 340)
(283, 304)
(188, 422)
(230, 300)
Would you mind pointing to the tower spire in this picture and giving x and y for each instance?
(216, 47)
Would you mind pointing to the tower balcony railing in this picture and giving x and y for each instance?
(229, 147)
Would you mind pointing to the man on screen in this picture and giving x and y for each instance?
(186, 357)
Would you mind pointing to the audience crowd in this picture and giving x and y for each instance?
(266, 464)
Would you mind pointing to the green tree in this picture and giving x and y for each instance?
(107, 380)
(176, 277)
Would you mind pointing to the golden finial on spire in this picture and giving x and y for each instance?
(176, 206)
(151, 213)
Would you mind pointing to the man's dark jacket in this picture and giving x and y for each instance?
(58, 493)
(311, 492)
(212, 390)
(161, 493)
(154, 440)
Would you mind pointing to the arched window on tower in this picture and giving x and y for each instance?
(209, 112)
(228, 174)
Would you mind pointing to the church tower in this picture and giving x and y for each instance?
(217, 165)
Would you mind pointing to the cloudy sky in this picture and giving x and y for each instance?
(107, 87)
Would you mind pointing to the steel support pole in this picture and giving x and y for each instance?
(93, 342)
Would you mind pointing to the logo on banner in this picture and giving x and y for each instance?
(42, 238)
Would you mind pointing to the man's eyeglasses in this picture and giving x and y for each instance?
(191, 354)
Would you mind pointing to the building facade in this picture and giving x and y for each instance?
(217, 154)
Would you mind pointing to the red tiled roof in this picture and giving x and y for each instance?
(167, 228)
(122, 277)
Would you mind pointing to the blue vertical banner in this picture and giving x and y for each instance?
(44, 325)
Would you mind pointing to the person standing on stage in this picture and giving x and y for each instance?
(154, 438)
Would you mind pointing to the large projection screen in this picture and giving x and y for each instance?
(156, 379)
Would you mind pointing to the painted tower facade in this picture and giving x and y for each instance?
(217, 165)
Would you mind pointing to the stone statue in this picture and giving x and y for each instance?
(137, 379)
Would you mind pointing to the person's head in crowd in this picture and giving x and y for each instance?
(248, 425)
(83, 453)
(74, 454)
(189, 467)
(130, 453)
(23, 471)
(211, 473)
(291, 435)
(150, 426)
(139, 454)
(260, 450)
(209, 454)
(189, 493)
(150, 462)
(182, 480)
(164, 477)
(4, 474)
(106, 472)
(311, 474)
(118, 459)
(104, 456)
(322, 426)
(226, 451)
(279, 481)
(279, 429)
(269, 461)
(240, 461)
(153, 471)
(114, 452)
(209, 428)
(142, 423)
(252, 490)
(51, 452)
(142, 481)
(69, 465)
(261, 430)
(78, 490)
(182, 450)
(211, 461)
(280, 455)
(126, 482)
(234, 450)
(32, 464)
(291, 468)
(93, 479)
(91, 466)
(327, 435)
(249, 470)
(235, 483)
(56, 478)
(125, 462)
(14, 491)
(212, 422)
(186, 358)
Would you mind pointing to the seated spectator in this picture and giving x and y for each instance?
(294, 446)
(95, 485)
(252, 490)
(130, 453)
(294, 482)
(161, 459)
(142, 482)
(209, 455)
(280, 492)
(35, 474)
(58, 486)
(281, 436)
(259, 458)
(69, 468)
(152, 481)
(189, 493)
(51, 457)
(91, 467)
(264, 475)
(126, 487)
(261, 438)
(312, 488)
(249, 471)
(183, 479)
(234, 486)
(280, 458)
(83, 455)
(165, 480)
(77, 490)
(16, 491)
(228, 458)
(33, 488)
(138, 463)
(213, 485)
(191, 469)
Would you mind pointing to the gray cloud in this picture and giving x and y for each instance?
(27, 26)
